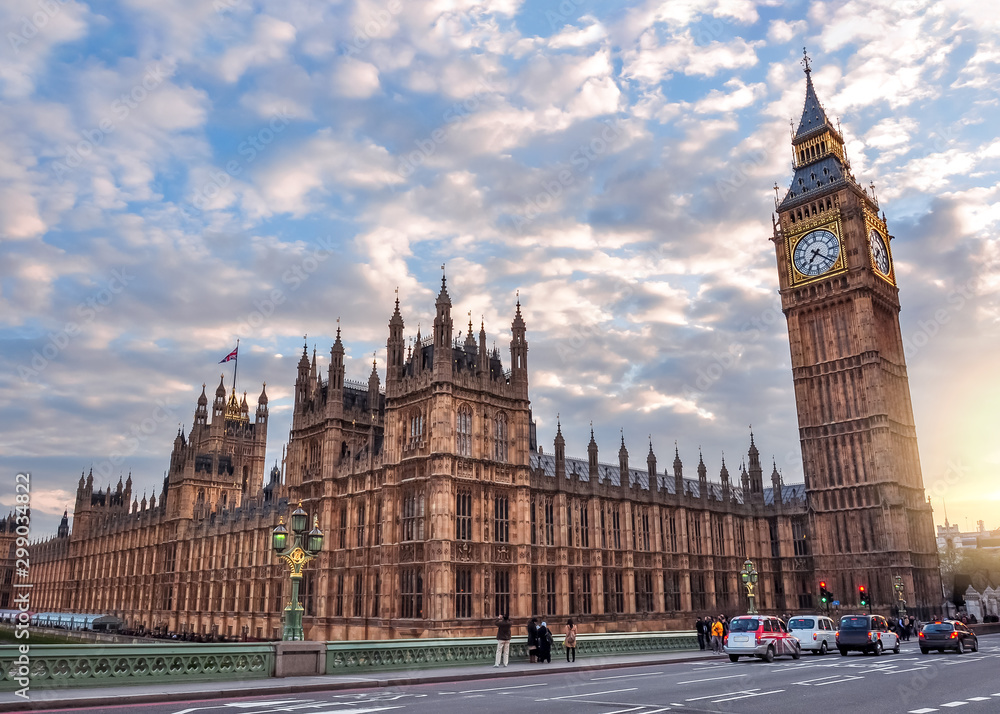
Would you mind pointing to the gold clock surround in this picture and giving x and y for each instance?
(874, 223)
(797, 278)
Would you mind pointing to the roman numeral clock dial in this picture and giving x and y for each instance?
(816, 252)
(880, 252)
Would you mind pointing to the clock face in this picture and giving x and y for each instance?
(880, 252)
(816, 252)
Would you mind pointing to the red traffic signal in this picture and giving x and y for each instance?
(822, 584)
(861, 588)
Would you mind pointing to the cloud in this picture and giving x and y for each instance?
(782, 31)
(355, 78)
(268, 43)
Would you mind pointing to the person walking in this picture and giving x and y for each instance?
(717, 635)
(699, 627)
(570, 642)
(503, 639)
(532, 641)
(544, 638)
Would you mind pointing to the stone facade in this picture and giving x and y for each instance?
(441, 511)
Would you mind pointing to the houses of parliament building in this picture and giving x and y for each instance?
(441, 511)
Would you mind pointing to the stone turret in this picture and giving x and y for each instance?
(592, 457)
(678, 472)
(654, 482)
(560, 451)
(394, 349)
(623, 473)
(519, 354)
(702, 477)
(443, 325)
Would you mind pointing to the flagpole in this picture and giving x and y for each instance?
(236, 363)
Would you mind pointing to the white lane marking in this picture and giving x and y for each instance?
(979, 699)
(925, 710)
(358, 711)
(713, 679)
(591, 694)
(955, 704)
(911, 669)
(625, 676)
(839, 681)
(744, 696)
(251, 705)
(497, 689)
(622, 711)
(654, 711)
(695, 699)
(809, 682)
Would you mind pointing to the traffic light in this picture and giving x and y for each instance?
(863, 595)
(825, 596)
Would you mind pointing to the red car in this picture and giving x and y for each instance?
(760, 636)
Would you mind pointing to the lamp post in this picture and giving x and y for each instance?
(899, 596)
(749, 577)
(304, 546)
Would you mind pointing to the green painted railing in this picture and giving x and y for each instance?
(367, 655)
(52, 666)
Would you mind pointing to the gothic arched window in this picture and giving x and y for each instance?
(416, 428)
(500, 437)
(463, 429)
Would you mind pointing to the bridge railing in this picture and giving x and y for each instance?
(369, 655)
(82, 665)
(53, 666)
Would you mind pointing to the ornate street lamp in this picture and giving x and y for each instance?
(749, 577)
(899, 596)
(303, 548)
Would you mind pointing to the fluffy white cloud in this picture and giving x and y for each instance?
(268, 43)
(355, 78)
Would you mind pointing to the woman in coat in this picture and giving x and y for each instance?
(570, 642)
(544, 643)
(532, 641)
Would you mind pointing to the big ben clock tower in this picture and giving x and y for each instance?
(870, 519)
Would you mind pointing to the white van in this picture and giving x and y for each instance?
(815, 633)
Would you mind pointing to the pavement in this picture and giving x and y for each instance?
(120, 695)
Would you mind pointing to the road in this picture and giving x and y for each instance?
(907, 683)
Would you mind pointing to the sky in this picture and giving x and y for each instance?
(178, 174)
